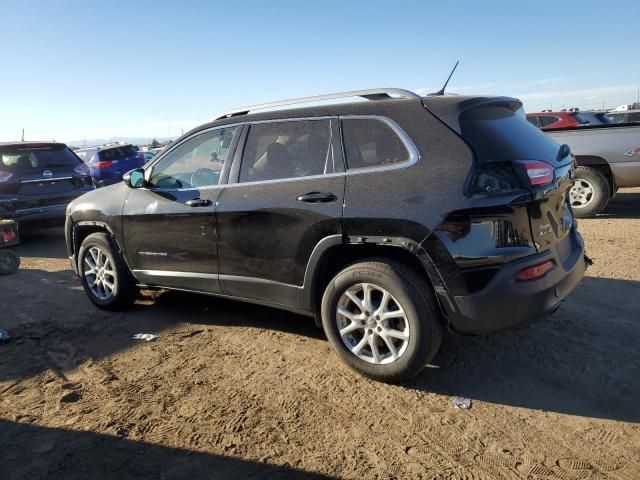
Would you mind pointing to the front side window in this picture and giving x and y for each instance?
(371, 143)
(287, 149)
(197, 162)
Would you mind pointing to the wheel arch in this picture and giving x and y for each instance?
(334, 253)
(600, 164)
(83, 229)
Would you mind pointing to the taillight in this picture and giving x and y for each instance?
(539, 173)
(82, 169)
(5, 176)
(103, 164)
(535, 272)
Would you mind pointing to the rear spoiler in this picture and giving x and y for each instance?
(449, 108)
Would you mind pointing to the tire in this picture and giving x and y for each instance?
(123, 291)
(590, 193)
(421, 326)
(9, 262)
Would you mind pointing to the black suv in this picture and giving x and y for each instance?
(38, 180)
(388, 220)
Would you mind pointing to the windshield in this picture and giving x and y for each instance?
(36, 157)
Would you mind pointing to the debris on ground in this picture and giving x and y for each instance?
(147, 337)
(462, 403)
(4, 336)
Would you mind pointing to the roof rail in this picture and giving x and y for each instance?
(371, 94)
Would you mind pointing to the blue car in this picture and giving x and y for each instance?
(108, 163)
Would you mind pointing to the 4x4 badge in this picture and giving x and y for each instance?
(47, 174)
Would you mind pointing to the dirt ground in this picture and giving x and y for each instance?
(230, 390)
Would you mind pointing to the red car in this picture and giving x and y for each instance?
(552, 120)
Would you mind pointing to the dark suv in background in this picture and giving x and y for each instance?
(108, 163)
(388, 220)
(38, 180)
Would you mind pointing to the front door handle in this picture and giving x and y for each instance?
(198, 202)
(317, 197)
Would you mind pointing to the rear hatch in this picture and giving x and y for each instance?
(512, 154)
(39, 175)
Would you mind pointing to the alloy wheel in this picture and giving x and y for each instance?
(99, 273)
(372, 324)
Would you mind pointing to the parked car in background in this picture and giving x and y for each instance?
(626, 116)
(551, 120)
(388, 220)
(38, 180)
(107, 163)
(608, 158)
(149, 155)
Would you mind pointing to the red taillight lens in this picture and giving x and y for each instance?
(82, 169)
(539, 173)
(5, 176)
(535, 272)
(103, 164)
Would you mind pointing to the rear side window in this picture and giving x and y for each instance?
(498, 134)
(117, 153)
(616, 117)
(581, 119)
(533, 120)
(36, 158)
(370, 142)
(288, 149)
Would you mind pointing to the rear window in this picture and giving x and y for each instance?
(36, 158)
(117, 153)
(499, 134)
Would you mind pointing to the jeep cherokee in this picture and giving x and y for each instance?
(388, 219)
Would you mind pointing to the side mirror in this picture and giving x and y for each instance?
(135, 178)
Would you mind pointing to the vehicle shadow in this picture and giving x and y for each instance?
(30, 451)
(582, 361)
(44, 243)
(626, 204)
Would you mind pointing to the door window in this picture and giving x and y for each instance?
(370, 143)
(194, 163)
(287, 149)
(533, 120)
(546, 120)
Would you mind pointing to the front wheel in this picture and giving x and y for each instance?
(382, 320)
(590, 192)
(103, 273)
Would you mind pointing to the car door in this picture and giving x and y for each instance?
(287, 196)
(169, 224)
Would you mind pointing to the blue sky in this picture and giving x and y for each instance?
(74, 69)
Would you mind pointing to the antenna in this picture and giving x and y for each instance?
(441, 91)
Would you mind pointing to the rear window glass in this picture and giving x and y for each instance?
(117, 153)
(36, 158)
(371, 143)
(498, 134)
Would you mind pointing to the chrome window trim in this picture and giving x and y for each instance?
(414, 154)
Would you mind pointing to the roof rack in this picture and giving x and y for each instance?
(371, 94)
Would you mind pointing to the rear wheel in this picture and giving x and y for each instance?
(382, 320)
(103, 273)
(9, 262)
(590, 192)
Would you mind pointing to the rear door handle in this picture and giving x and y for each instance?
(198, 202)
(317, 197)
